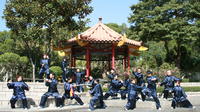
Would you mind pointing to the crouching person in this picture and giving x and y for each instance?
(180, 98)
(18, 91)
(97, 96)
(132, 95)
(114, 88)
(70, 92)
(52, 91)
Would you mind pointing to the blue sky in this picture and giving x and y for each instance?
(112, 11)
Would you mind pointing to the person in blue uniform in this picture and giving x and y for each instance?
(114, 88)
(79, 80)
(126, 83)
(168, 83)
(70, 92)
(45, 63)
(91, 82)
(52, 91)
(65, 70)
(18, 91)
(140, 81)
(132, 94)
(151, 88)
(111, 75)
(180, 98)
(97, 96)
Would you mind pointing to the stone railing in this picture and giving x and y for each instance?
(33, 95)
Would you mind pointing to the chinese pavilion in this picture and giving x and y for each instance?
(100, 43)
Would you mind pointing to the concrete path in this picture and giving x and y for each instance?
(117, 105)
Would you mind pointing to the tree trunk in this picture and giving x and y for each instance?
(33, 69)
(178, 56)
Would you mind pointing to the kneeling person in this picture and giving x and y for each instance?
(70, 92)
(97, 96)
(180, 97)
(52, 91)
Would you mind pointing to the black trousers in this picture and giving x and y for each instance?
(131, 104)
(14, 99)
(186, 103)
(76, 97)
(58, 98)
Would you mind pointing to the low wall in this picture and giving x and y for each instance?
(35, 92)
(38, 89)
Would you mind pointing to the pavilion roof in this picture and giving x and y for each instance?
(101, 33)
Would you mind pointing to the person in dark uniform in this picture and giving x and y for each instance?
(45, 63)
(151, 88)
(18, 91)
(111, 75)
(140, 81)
(180, 98)
(65, 70)
(79, 80)
(97, 96)
(168, 83)
(52, 91)
(126, 83)
(70, 92)
(91, 82)
(132, 94)
(114, 88)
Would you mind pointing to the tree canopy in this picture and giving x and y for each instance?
(174, 22)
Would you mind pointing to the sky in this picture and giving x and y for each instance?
(112, 11)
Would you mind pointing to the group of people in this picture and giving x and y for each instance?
(137, 85)
(132, 87)
(19, 87)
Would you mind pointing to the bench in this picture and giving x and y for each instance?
(30, 103)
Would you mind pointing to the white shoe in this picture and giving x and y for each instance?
(125, 108)
(159, 109)
(25, 108)
(90, 110)
(193, 107)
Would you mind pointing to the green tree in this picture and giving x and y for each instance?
(40, 24)
(171, 21)
(12, 64)
(118, 28)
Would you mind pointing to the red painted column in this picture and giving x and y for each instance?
(128, 59)
(113, 57)
(124, 62)
(87, 62)
(74, 61)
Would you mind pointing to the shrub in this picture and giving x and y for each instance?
(56, 70)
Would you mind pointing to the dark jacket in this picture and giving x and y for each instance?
(52, 85)
(132, 90)
(97, 91)
(168, 82)
(64, 65)
(115, 85)
(140, 78)
(18, 88)
(46, 63)
(179, 94)
(151, 84)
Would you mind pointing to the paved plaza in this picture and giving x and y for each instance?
(116, 105)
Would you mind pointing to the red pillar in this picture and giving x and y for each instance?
(74, 61)
(124, 62)
(87, 62)
(113, 57)
(128, 59)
